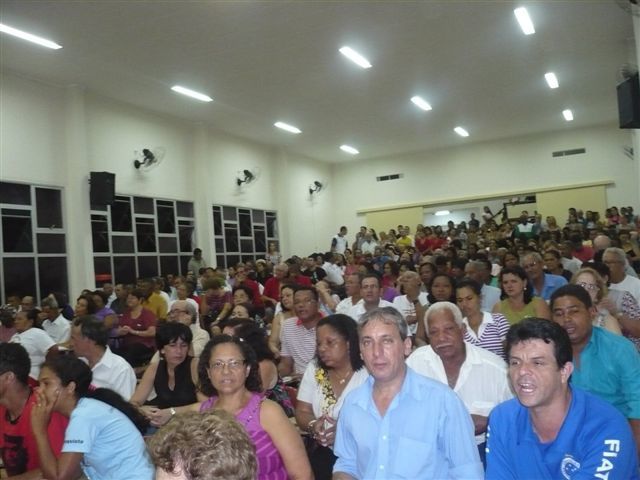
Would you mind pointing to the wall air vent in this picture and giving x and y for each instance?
(394, 176)
(566, 153)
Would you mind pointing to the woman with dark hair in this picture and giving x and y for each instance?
(103, 312)
(137, 330)
(35, 341)
(286, 304)
(103, 437)
(390, 274)
(442, 288)
(272, 384)
(85, 305)
(242, 294)
(174, 377)
(518, 301)
(337, 369)
(228, 373)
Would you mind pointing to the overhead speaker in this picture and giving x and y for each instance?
(103, 188)
(629, 102)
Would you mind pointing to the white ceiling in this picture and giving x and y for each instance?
(276, 60)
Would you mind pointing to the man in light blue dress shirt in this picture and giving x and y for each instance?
(399, 424)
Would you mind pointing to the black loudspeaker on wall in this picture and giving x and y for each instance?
(629, 102)
(103, 188)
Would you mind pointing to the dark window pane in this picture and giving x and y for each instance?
(185, 232)
(168, 265)
(51, 243)
(100, 208)
(260, 240)
(166, 217)
(124, 270)
(221, 261)
(20, 277)
(233, 260)
(272, 225)
(52, 272)
(102, 265)
(217, 222)
(100, 233)
(146, 234)
(121, 215)
(143, 205)
(122, 244)
(168, 245)
(229, 213)
(184, 262)
(248, 258)
(15, 193)
(219, 245)
(258, 216)
(245, 223)
(246, 246)
(147, 267)
(185, 209)
(49, 208)
(231, 237)
(16, 231)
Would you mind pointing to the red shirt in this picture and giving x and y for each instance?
(272, 288)
(143, 322)
(17, 444)
(257, 298)
(584, 254)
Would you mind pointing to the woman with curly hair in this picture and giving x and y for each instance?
(229, 375)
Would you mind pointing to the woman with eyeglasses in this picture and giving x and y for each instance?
(229, 375)
(593, 283)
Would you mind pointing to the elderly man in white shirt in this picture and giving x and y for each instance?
(56, 326)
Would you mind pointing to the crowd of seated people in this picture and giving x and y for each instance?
(231, 338)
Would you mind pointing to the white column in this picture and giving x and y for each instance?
(201, 196)
(76, 194)
(282, 189)
(636, 133)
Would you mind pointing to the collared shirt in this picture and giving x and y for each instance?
(609, 367)
(490, 296)
(358, 309)
(297, 342)
(113, 371)
(595, 441)
(344, 306)
(37, 344)
(551, 284)
(426, 433)
(407, 308)
(491, 333)
(334, 273)
(482, 382)
(59, 330)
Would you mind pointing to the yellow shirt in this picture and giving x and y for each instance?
(157, 305)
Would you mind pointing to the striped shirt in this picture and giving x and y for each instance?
(298, 342)
(491, 333)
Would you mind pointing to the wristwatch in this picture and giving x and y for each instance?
(173, 411)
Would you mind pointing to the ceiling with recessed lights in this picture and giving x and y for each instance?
(264, 62)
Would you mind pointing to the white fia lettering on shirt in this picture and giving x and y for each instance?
(611, 449)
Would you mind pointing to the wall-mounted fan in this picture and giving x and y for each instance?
(630, 6)
(148, 159)
(247, 176)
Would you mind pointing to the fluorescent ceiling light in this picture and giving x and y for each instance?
(287, 127)
(349, 149)
(29, 37)
(421, 103)
(191, 93)
(441, 213)
(551, 79)
(355, 57)
(568, 115)
(524, 20)
(461, 131)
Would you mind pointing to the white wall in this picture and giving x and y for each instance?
(488, 168)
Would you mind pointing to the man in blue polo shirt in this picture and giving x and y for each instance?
(543, 284)
(552, 430)
(605, 364)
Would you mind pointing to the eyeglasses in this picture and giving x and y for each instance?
(591, 287)
(230, 364)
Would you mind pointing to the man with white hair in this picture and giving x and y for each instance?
(478, 376)
(616, 260)
(600, 244)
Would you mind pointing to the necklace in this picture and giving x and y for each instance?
(341, 381)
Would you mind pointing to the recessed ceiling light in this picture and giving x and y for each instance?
(349, 149)
(524, 20)
(551, 79)
(29, 37)
(421, 103)
(192, 93)
(568, 115)
(355, 57)
(461, 131)
(441, 213)
(287, 127)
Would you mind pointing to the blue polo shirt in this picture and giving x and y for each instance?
(610, 368)
(594, 442)
(551, 284)
(426, 433)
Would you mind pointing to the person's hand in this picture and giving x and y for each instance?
(41, 412)
(325, 430)
(479, 423)
(411, 319)
(608, 304)
(157, 416)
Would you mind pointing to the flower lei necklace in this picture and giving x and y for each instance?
(322, 377)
